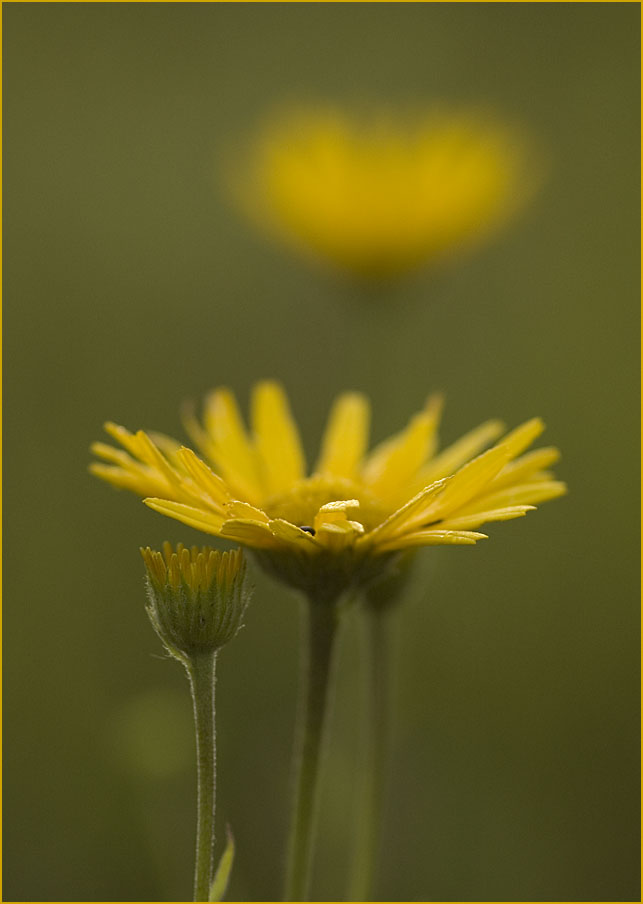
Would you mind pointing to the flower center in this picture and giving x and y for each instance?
(302, 502)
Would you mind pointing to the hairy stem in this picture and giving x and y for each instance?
(312, 719)
(201, 670)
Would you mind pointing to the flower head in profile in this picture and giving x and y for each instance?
(383, 195)
(339, 526)
(196, 597)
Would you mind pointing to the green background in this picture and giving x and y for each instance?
(130, 285)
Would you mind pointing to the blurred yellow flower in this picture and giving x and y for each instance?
(380, 197)
(341, 524)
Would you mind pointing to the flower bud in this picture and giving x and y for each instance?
(196, 597)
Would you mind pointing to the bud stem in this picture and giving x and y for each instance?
(312, 721)
(372, 787)
(202, 671)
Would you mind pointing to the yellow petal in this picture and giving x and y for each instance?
(232, 452)
(249, 532)
(333, 529)
(200, 437)
(209, 522)
(410, 516)
(123, 436)
(395, 462)
(467, 522)
(522, 437)
(205, 479)
(473, 479)
(455, 455)
(346, 437)
(167, 444)
(279, 452)
(526, 466)
(132, 480)
(337, 535)
(522, 494)
(139, 474)
(433, 538)
(116, 456)
(470, 480)
(237, 509)
(290, 533)
(335, 512)
(152, 456)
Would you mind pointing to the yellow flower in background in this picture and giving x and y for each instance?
(340, 525)
(381, 196)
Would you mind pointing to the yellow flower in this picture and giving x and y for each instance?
(381, 197)
(341, 524)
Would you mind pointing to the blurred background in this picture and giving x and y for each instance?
(131, 285)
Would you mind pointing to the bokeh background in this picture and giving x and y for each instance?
(131, 285)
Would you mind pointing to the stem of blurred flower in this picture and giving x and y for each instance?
(372, 786)
(315, 695)
(202, 672)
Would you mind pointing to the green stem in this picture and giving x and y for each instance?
(371, 792)
(312, 720)
(202, 671)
